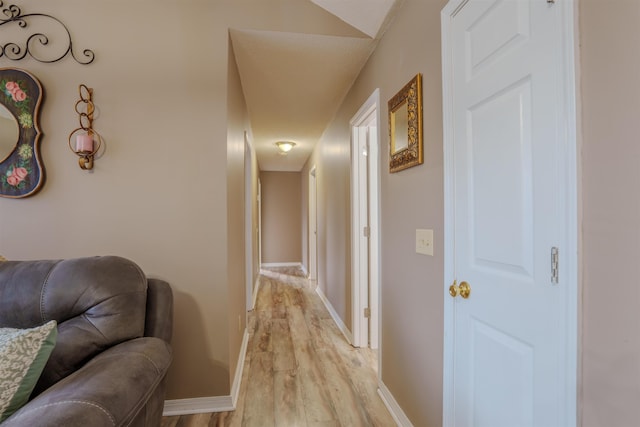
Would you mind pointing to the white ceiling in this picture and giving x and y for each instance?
(367, 16)
(294, 82)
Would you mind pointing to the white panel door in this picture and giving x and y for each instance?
(509, 346)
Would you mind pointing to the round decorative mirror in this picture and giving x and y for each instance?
(21, 170)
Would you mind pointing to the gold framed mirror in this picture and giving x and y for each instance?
(405, 126)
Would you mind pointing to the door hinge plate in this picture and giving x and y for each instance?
(554, 265)
(366, 231)
(367, 312)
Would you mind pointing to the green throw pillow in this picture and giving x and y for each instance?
(23, 354)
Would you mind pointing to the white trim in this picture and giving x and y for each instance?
(198, 405)
(576, 236)
(259, 220)
(569, 11)
(237, 379)
(449, 209)
(312, 225)
(336, 318)
(395, 410)
(280, 264)
(304, 270)
(248, 219)
(256, 289)
(365, 270)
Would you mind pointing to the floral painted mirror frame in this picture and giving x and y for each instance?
(405, 126)
(21, 170)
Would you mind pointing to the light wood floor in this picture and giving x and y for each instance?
(299, 369)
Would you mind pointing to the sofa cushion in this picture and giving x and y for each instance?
(98, 302)
(111, 390)
(23, 355)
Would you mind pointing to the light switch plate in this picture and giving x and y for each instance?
(424, 242)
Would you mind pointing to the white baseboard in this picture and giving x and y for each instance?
(304, 270)
(256, 288)
(334, 314)
(237, 379)
(201, 405)
(197, 405)
(397, 413)
(280, 264)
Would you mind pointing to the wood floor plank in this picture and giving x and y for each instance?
(297, 325)
(278, 309)
(289, 407)
(284, 358)
(366, 384)
(195, 420)
(296, 296)
(337, 365)
(259, 413)
(170, 421)
(263, 303)
(346, 398)
(324, 424)
(234, 418)
(316, 398)
(299, 369)
(261, 336)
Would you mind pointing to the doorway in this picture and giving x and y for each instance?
(365, 238)
(510, 214)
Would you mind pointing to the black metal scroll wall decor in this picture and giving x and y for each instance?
(15, 51)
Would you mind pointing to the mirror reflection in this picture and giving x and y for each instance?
(400, 128)
(9, 132)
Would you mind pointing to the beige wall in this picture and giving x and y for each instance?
(237, 125)
(412, 286)
(162, 193)
(610, 73)
(332, 160)
(412, 290)
(281, 217)
(158, 194)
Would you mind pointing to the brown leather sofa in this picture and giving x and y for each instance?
(113, 349)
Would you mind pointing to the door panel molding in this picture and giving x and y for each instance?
(567, 181)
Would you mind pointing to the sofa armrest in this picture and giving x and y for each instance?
(110, 390)
(159, 317)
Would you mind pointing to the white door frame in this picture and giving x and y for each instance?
(313, 226)
(365, 263)
(259, 222)
(568, 158)
(248, 222)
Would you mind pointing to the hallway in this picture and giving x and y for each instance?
(299, 369)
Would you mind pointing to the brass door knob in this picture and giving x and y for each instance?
(453, 289)
(465, 290)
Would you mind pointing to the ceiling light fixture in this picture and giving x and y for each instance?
(285, 146)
